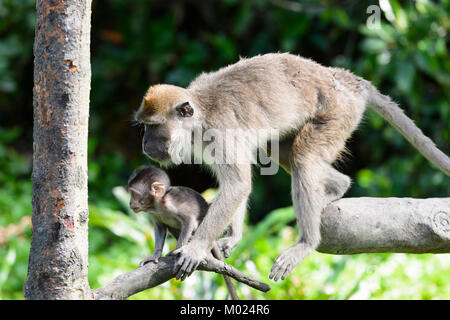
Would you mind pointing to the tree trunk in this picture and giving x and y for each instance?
(58, 259)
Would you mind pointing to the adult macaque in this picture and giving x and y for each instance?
(179, 209)
(315, 110)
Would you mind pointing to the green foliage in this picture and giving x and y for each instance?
(15, 203)
(137, 43)
(17, 21)
(407, 58)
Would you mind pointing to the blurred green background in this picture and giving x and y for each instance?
(142, 42)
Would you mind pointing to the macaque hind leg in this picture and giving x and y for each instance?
(314, 149)
(307, 197)
(336, 184)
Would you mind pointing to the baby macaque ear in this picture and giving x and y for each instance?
(158, 189)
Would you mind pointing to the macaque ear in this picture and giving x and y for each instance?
(185, 110)
(158, 189)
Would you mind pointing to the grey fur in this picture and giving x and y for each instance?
(314, 108)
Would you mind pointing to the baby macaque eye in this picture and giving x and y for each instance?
(185, 110)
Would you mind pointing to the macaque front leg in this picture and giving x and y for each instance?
(235, 187)
(160, 237)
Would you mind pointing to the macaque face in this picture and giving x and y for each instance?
(165, 112)
(156, 142)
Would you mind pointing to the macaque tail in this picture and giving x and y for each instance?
(390, 111)
(230, 286)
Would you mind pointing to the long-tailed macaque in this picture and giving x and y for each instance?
(315, 110)
(178, 209)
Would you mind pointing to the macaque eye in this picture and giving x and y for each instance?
(185, 110)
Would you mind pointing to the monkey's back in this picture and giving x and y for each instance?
(187, 200)
(277, 90)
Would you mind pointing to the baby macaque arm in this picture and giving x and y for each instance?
(160, 237)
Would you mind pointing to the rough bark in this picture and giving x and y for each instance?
(152, 275)
(58, 259)
(358, 225)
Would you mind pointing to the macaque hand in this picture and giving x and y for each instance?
(190, 256)
(153, 258)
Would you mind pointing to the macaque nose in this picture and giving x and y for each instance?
(156, 149)
(155, 142)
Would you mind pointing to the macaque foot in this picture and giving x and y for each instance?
(288, 259)
(227, 244)
(190, 256)
(153, 258)
(336, 185)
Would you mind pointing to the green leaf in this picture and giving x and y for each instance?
(120, 224)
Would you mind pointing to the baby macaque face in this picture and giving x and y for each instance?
(146, 200)
(140, 202)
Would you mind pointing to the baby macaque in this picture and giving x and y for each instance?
(177, 209)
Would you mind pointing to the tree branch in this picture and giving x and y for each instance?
(358, 225)
(152, 275)
(349, 226)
